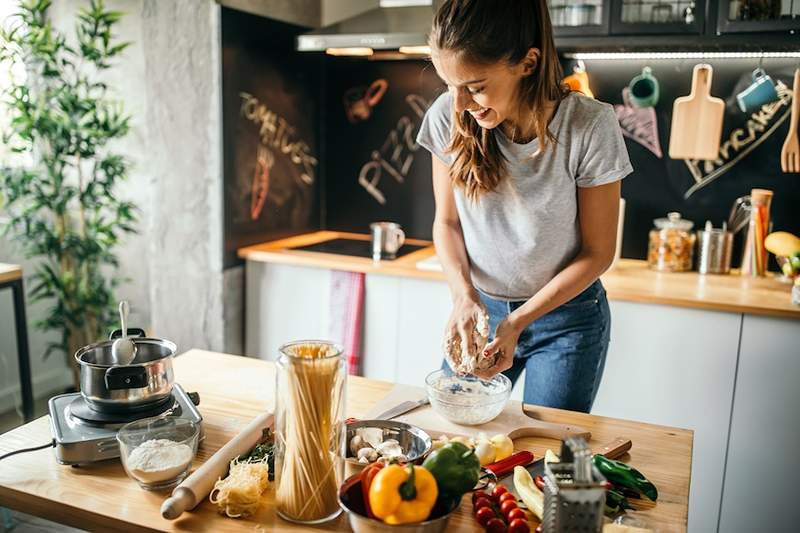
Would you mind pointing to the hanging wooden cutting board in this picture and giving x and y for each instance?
(517, 420)
(697, 119)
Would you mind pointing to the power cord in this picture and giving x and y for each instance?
(50, 444)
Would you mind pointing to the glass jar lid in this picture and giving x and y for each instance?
(673, 221)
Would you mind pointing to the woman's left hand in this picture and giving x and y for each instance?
(504, 345)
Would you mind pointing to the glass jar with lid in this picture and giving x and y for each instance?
(671, 247)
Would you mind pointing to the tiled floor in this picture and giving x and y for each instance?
(16, 522)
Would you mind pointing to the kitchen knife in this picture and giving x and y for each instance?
(402, 408)
(612, 450)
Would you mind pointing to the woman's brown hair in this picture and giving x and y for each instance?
(486, 32)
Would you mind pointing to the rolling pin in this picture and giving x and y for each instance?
(197, 486)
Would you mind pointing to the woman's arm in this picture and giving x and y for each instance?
(447, 235)
(598, 210)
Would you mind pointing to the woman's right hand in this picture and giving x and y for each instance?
(466, 312)
(462, 342)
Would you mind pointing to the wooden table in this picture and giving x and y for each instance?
(11, 277)
(232, 391)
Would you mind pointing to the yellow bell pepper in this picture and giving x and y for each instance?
(403, 495)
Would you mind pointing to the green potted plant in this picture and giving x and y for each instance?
(61, 200)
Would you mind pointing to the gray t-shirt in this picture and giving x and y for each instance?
(519, 236)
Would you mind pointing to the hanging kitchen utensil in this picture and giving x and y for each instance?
(123, 351)
(579, 79)
(697, 119)
(790, 153)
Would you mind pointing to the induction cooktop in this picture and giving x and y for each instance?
(354, 247)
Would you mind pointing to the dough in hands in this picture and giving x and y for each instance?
(466, 355)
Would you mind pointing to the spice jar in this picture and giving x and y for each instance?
(671, 244)
(310, 432)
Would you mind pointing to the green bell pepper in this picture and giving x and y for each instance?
(625, 476)
(455, 467)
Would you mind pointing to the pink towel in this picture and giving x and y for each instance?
(347, 315)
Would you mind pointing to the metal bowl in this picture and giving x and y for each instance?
(351, 500)
(414, 442)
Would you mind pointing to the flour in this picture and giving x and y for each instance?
(159, 460)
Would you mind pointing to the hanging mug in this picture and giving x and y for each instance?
(762, 91)
(359, 101)
(644, 89)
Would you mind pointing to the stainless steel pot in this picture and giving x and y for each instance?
(144, 383)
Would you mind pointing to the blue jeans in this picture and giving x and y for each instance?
(563, 353)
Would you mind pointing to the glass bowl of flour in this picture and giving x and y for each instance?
(467, 400)
(158, 452)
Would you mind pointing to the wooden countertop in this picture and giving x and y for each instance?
(233, 390)
(9, 272)
(630, 280)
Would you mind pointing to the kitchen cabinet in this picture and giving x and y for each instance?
(675, 366)
(763, 464)
(579, 17)
(738, 16)
(642, 17)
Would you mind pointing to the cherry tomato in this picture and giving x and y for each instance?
(498, 491)
(495, 525)
(505, 497)
(482, 502)
(513, 514)
(518, 526)
(507, 506)
(483, 515)
(479, 494)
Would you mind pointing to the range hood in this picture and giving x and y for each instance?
(395, 24)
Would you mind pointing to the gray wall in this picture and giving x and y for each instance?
(169, 80)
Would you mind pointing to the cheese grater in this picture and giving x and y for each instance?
(574, 492)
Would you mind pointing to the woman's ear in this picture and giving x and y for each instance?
(530, 61)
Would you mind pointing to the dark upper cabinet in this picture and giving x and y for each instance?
(761, 16)
(579, 17)
(645, 17)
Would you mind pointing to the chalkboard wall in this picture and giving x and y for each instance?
(335, 137)
(271, 124)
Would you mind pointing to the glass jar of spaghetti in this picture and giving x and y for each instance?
(310, 433)
(671, 245)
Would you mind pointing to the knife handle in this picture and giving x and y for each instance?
(504, 466)
(614, 449)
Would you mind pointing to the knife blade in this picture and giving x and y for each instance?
(402, 408)
(612, 450)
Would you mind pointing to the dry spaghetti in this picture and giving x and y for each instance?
(311, 383)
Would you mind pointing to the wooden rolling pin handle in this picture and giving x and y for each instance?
(182, 499)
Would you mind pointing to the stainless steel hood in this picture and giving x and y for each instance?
(394, 24)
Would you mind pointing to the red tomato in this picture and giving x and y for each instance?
(513, 514)
(495, 525)
(518, 526)
(507, 506)
(479, 494)
(483, 515)
(507, 496)
(498, 491)
(482, 502)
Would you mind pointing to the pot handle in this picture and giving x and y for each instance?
(126, 377)
(132, 332)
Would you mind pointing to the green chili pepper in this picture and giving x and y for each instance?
(625, 476)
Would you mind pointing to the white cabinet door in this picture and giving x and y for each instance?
(284, 303)
(676, 366)
(763, 465)
(379, 354)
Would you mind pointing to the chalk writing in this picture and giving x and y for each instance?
(741, 141)
(396, 154)
(277, 134)
(639, 123)
(260, 187)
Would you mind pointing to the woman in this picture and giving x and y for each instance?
(526, 181)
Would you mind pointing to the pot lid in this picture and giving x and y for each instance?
(673, 221)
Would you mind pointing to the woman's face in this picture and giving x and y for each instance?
(487, 92)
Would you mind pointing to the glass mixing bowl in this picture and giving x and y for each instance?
(467, 400)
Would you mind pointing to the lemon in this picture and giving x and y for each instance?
(782, 243)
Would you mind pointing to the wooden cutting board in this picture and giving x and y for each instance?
(517, 420)
(697, 119)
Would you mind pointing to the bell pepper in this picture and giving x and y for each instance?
(625, 476)
(367, 477)
(455, 467)
(402, 495)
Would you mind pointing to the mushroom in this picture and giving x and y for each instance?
(356, 444)
(367, 455)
